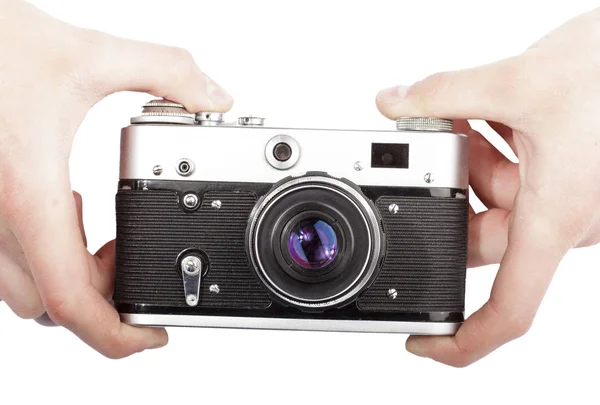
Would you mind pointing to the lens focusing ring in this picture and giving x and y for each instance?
(355, 280)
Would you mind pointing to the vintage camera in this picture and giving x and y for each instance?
(244, 225)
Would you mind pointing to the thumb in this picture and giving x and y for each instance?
(117, 64)
(487, 92)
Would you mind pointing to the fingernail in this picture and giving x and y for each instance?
(416, 347)
(392, 95)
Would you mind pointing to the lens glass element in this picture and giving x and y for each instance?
(313, 244)
(282, 152)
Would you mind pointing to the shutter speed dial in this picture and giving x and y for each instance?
(163, 111)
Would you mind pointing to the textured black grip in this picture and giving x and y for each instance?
(426, 256)
(152, 230)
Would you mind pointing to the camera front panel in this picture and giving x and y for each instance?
(420, 277)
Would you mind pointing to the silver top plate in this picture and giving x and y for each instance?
(237, 154)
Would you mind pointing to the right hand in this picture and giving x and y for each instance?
(44, 263)
(545, 104)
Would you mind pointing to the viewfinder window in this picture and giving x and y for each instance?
(389, 155)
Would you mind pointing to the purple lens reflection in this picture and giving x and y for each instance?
(313, 244)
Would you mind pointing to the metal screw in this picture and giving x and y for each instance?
(157, 170)
(214, 289)
(191, 300)
(191, 265)
(190, 200)
(358, 166)
(392, 294)
(216, 204)
(429, 178)
(394, 208)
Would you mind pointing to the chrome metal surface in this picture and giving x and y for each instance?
(331, 151)
(164, 112)
(368, 215)
(328, 325)
(191, 271)
(216, 204)
(251, 121)
(270, 154)
(429, 178)
(424, 124)
(157, 170)
(394, 208)
(358, 166)
(392, 293)
(184, 167)
(214, 289)
(207, 118)
(190, 200)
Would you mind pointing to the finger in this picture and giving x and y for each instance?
(79, 205)
(488, 237)
(51, 239)
(472, 212)
(535, 249)
(104, 260)
(505, 132)
(494, 178)
(18, 289)
(120, 64)
(485, 92)
(103, 273)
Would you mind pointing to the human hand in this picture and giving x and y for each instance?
(545, 104)
(51, 74)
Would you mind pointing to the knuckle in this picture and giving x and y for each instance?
(61, 311)
(184, 65)
(182, 55)
(460, 362)
(115, 347)
(516, 322)
(519, 325)
(430, 86)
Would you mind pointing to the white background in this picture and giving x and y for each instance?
(316, 64)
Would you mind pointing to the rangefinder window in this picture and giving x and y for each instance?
(389, 155)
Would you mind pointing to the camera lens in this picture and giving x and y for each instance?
(313, 244)
(282, 152)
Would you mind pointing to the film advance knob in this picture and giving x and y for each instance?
(163, 111)
(424, 124)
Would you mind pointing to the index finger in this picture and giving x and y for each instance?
(535, 250)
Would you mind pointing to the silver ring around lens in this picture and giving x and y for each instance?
(278, 164)
(361, 203)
